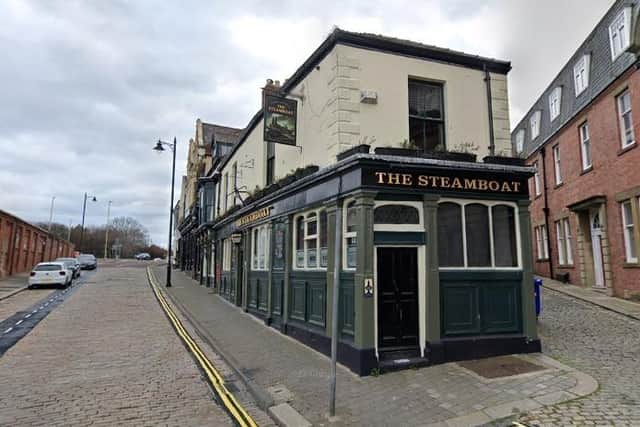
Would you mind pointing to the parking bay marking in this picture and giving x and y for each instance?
(18, 322)
(8, 330)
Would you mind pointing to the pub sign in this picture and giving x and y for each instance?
(280, 119)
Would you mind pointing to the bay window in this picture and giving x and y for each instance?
(477, 235)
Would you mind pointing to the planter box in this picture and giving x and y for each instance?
(449, 155)
(362, 148)
(504, 160)
(396, 151)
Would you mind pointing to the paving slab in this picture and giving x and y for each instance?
(412, 397)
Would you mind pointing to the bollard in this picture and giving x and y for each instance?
(537, 289)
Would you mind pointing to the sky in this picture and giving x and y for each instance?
(88, 86)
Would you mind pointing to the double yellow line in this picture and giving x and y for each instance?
(237, 412)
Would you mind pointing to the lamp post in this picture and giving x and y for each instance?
(160, 147)
(84, 210)
(51, 213)
(106, 233)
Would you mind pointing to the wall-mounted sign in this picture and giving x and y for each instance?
(279, 119)
(253, 216)
(450, 181)
(368, 287)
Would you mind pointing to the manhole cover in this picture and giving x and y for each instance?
(498, 367)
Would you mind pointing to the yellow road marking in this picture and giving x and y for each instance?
(236, 410)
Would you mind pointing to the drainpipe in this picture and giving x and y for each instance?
(546, 211)
(487, 80)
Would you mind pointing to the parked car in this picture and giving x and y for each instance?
(74, 263)
(88, 262)
(51, 273)
(142, 256)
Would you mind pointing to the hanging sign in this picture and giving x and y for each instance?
(279, 119)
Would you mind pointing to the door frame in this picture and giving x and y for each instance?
(422, 283)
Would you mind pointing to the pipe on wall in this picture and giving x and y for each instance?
(546, 211)
(487, 81)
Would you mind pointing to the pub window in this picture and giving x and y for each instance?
(311, 240)
(426, 115)
(477, 235)
(396, 214)
(260, 248)
(278, 246)
(350, 236)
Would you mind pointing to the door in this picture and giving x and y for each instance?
(397, 297)
(596, 246)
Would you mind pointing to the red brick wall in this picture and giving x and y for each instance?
(612, 172)
(23, 245)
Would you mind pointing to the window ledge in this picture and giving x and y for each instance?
(542, 260)
(627, 148)
(537, 196)
(558, 185)
(587, 170)
(630, 265)
(566, 266)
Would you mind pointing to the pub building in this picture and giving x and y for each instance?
(409, 145)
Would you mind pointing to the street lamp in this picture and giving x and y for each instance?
(106, 233)
(160, 147)
(84, 210)
(51, 213)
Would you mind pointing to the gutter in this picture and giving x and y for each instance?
(492, 140)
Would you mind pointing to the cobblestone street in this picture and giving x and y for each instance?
(601, 343)
(106, 356)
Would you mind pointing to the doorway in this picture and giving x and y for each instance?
(397, 283)
(596, 247)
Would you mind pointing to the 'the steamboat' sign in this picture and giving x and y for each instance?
(279, 119)
(451, 181)
(253, 216)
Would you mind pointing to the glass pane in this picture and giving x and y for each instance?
(477, 229)
(396, 214)
(324, 232)
(312, 253)
(300, 233)
(351, 252)
(300, 258)
(450, 235)
(324, 252)
(504, 236)
(425, 100)
(278, 248)
(417, 132)
(312, 225)
(351, 217)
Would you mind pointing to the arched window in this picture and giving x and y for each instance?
(350, 236)
(477, 235)
(396, 214)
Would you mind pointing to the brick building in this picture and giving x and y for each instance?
(581, 137)
(23, 245)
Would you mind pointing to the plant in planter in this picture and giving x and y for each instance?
(464, 152)
(504, 157)
(407, 148)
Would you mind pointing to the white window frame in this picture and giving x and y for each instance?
(619, 33)
(489, 204)
(226, 255)
(536, 179)
(306, 218)
(628, 230)
(260, 244)
(556, 164)
(555, 99)
(346, 236)
(585, 146)
(568, 240)
(561, 243)
(400, 227)
(520, 141)
(542, 242)
(534, 124)
(622, 112)
(581, 74)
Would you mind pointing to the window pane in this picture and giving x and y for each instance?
(324, 232)
(396, 214)
(312, 253)
(417, 132)
(504, 236)
(425, 100)
(278, 248)
(351, 252)
(450, 235)
(300, 233)
(312, 225)
(477, 229)
(351, 217)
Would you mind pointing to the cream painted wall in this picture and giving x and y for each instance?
(331, 117)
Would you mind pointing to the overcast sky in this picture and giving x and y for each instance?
(87, 87)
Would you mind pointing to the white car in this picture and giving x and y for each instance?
(51, 273)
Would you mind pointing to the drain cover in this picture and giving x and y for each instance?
(498, 367)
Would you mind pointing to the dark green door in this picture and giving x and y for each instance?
(397, 297)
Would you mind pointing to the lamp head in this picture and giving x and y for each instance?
(93, 199)
(159, 146)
